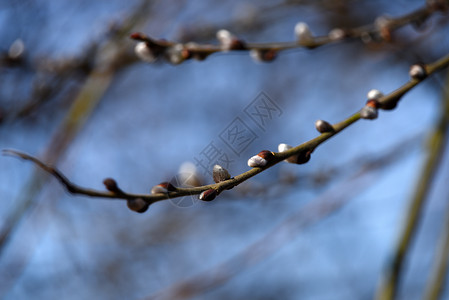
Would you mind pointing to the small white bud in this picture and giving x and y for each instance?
(175, 54)
(336, 34)
(417, 72)
(16, 49)
(144, 52)
(368, 112)
(303, 33)
(162, 188)
(374, 94)
(220, 174)
(228, 41)
(224, 35)
(225, 38)
(284, 147)
(323, 126)
(300, 158)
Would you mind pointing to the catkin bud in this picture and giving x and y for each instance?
(418, 72)
(137, 204)
(284, 147)
(228, 41)
(301, 158)
(303, 34)
(208, 195)
(261, 159)
(220, 174)
(374, 94)
(111, 185)
(323, 126)
(177, 54)
(144, 52)
(337, 34)
(225, 38)
(162, 188)
(369, 111)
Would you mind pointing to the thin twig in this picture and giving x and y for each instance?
(435, 287)
(391, 279)
(385, 102)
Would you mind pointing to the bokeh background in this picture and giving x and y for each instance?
(324, 230)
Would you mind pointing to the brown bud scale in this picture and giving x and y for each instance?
(138, 205)
(323, 126)
(208, 195)
(163, 188)
(373, 103)
(111, 185)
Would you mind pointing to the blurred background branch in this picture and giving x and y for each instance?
(436, 147)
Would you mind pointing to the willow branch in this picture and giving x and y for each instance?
(151, 49)
(391, 280)
(386, 102)
(435, 287)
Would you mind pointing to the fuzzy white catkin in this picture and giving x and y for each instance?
(225, 38)
(175, 54)
(368, 112)
(220, 174)
(257, 161)
(303, 33)
(336, 34)
(224, 35)
(284, 147)
(417, 72)
(144, 53)
(374, 94)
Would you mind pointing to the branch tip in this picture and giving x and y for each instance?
(138, 36)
